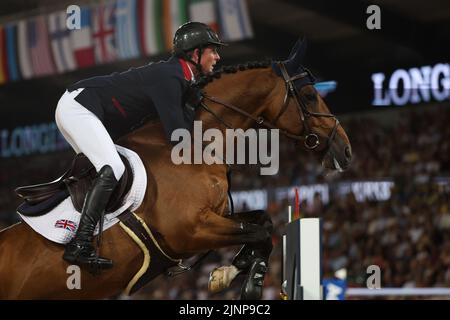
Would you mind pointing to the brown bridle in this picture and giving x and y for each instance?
(310, 139)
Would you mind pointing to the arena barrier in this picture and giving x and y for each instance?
(302, 260)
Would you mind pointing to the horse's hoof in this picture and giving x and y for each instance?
(253, 284)
(221, 278)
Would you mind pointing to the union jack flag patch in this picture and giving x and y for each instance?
(66, 224)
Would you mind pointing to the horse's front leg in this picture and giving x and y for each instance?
(249, 252)
(213, 231)
(251, 259)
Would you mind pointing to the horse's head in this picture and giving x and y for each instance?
(298, 110)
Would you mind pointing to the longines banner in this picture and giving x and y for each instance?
(412, 86)
(405, 86)
(28, 140)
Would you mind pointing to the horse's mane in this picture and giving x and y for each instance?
(206, 79)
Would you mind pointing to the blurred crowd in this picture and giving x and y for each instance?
(407, 236)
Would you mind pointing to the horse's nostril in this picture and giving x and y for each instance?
(348, 152)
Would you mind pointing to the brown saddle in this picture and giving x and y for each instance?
(76, 182)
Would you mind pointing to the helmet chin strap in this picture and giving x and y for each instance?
(199, 60)
(197, 64)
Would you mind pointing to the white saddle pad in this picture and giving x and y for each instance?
(60, 224)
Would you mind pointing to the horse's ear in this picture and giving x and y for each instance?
(297, 54)
(294, 49)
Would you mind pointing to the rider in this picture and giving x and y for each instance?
(94, 112)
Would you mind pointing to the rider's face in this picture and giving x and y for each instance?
(210, 57)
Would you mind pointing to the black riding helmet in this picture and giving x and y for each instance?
(193, 35)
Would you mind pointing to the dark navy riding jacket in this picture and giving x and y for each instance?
(124, 101)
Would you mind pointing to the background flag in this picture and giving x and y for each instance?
(82, 43)
(13, 58)
(3, 57)
(150, 26)
(126, 29)
(234, 20)
(175, 13)
(60, 42)
(203, 11)
(39, 46)
(104, 20)
(24, 54)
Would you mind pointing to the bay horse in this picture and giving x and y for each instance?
(187, 204)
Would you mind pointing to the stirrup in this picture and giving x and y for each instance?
(98, 264)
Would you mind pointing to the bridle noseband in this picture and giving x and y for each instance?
(310, 139)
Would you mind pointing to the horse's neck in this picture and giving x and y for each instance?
(246, 90)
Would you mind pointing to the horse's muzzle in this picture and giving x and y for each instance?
(339, 156)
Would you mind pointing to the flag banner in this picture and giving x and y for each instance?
(61, 42)
(175, 13)
(12, 52)
(24, 54)
(126, 29)
(104, 23)
(112, 30)
(150, 26)
(3, 57)
(203, 11)
(82, 43)
(39, 46)
(234, 20)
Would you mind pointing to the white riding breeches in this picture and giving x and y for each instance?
(87, 134)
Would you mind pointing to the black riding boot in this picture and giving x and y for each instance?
(80, 250)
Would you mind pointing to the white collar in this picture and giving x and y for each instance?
(192, 74)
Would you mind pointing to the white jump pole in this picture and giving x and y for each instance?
(302, 260)
(311, 259)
